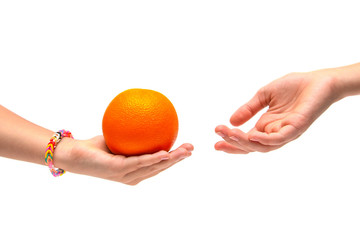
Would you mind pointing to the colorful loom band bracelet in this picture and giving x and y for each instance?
(49, 153)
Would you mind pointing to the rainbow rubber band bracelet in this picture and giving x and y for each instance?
(49, 153)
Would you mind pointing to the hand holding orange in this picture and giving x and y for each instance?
(140, 121)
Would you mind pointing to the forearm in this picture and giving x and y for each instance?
(347, 80)
(21, 139)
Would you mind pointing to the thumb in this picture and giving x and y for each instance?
(249, 109)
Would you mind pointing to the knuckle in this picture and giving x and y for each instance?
(249, 108)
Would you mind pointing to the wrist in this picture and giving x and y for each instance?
(336, 84)
(346, 80)
(62, 153)
(330, 83)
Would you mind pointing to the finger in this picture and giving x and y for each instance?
(240, 141)
(229, 148)
(271, 122)
(136, 162)
(249, 109)
(174, 157)
(274, 126)
(180, 153)
(284, 135)
(187, 146)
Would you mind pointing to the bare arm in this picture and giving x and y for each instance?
(21, 139)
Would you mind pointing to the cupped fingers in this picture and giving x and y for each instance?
(237, 139)
(181, 152)
(175, 156)
(284, 135)
(137, 162)
(229, 148)
(189, 147)
(241, 140)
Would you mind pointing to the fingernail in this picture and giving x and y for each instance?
(254, 139)
(164, 158)
(220, 134)
(234, 138)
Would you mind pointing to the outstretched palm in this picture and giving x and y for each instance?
(295, 102)
(92, 157)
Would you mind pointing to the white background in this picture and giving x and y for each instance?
(208, 58)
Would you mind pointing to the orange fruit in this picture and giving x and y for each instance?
(140, 121)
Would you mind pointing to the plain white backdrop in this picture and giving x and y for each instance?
(61, 63)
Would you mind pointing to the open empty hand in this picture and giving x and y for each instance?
(294, 102)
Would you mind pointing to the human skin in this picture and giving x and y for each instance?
(26, 141)
(294, 102)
